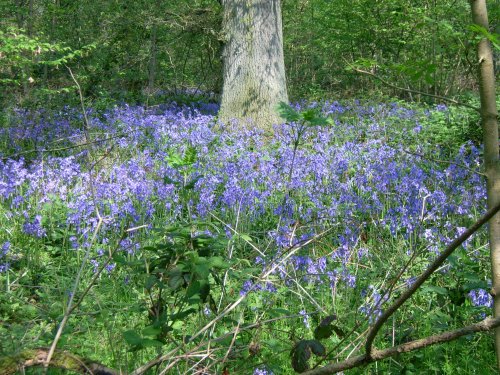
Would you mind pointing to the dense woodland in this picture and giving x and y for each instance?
(249, 187)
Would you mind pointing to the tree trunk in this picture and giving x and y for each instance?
(152, 62)
(489, 119)
(254, 69)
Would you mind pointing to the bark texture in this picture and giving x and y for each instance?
(489, 120)
(253, 64)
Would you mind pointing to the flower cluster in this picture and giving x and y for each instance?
(480, 297)
(347, 175)
(4, 262)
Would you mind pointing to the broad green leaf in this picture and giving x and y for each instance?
(132, 338)
(151, 331)
(301, 353)
(288, 113)
(325, 328)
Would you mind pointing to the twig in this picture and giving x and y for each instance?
(427, 273)
(377, 355)
(292, 250)
(444, 98)
(48, 150)
(70, 306)
(441, 161)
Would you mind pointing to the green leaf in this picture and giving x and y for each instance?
(435, 289)
(245, 237)
(325, 328)
(151, 331)
(301, 353)
(176, 278)
(132, 338)
(151, 281)
(149, 343)
(212, 304)
(288, 113)
(193, 289)
(202, 269)
(204, 291)
(190, 185)
(308, 114)
(278, 312)
(178, 325)
(168, 181)
(182, 314)
(494, 38)
(190, 156)
(218, 262)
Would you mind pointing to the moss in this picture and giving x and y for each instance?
(35, 357)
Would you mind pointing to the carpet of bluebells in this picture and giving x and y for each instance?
(369, 178)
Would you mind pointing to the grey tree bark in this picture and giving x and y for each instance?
(253, 64)
(489, 120)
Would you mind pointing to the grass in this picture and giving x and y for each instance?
(212, 207)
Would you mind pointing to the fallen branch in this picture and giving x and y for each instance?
(483, 326)
(426, 274)
(14, 364)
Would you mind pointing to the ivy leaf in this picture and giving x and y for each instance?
(301, 353)
(317, 347)
(325, 328)
(300, 356)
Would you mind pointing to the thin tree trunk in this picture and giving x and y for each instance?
(489, 119)
(254, 69)
(152, 62)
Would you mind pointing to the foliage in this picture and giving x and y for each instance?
(142, 50)
(22, 56)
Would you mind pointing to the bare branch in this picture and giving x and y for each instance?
(48, 150)
(444, 98)
(427, 273)
(377, 355)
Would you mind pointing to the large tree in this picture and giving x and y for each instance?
(254, 69)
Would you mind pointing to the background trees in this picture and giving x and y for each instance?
(227, 248)
(149, 48)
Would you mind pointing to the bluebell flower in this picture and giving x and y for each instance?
(372, 308)
(262, 371)
(110, 267)
(246, 288)
(4, 262)
(95, 265)
(34, 227)
(480, 297)
(305, 318)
